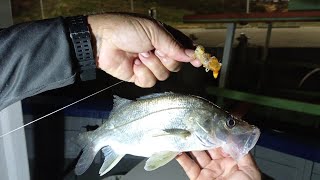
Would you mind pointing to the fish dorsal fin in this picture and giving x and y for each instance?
(159, 159)
(119, 102)
(154, 95)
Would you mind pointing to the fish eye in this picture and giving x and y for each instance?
(230, 123)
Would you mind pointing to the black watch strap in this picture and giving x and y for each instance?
(80, 36)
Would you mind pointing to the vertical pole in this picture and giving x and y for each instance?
(5, 14)
(132, 7)
(227, 53)
(13, 149)
(42, 11)
(267, 42)
(223, 5)
(248, 7)
(264, 57)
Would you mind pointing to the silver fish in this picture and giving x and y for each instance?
(161, 126)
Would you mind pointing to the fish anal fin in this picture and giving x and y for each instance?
(111, 159)
(159, 159)
(86, 159)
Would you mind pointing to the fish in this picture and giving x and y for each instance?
(162, 125)
(209, 62)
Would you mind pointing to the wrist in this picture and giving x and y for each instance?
(92, 24)
(96, 24)
(82, 47)
(102, 29)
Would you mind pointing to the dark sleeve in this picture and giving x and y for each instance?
(34, 57)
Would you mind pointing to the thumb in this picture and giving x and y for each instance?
(249, 166)
(165, 42)
(247, 160)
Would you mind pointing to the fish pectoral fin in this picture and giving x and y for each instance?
(159, 159)
(178, 132)
(111, 159)
(182, 133)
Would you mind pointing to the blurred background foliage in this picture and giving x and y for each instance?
(168, 11)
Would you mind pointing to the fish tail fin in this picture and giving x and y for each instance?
(88, 153)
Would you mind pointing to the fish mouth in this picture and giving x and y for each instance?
(236, 149)
(251, 141)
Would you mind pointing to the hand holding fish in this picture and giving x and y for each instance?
(214, 164)
(136, 49)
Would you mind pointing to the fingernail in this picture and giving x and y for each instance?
(137, 62)
(159, 53)
(196, 63)
(189, 52)
(145, 54)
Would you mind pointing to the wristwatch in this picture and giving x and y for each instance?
(81, 40)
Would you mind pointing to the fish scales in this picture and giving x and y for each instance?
(154, 119)
(144, 107)
(160, 126)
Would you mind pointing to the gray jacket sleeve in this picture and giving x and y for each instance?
(34, 57)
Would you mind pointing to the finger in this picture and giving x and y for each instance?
(211, 171)
(170, 64)
(154, 64)
(143, 77)
(248, 165)
(202, 158)
(247, 160)
(196, 63)
(179, 36)
(189, 166)
(229, 165)
(163, 41)
(215, 153)
(208, 174)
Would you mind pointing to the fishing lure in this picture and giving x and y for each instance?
(209, 62)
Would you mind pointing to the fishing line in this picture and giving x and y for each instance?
(64, 107)
(308, 75)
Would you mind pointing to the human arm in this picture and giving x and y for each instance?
(34, 57)
(37, 56)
